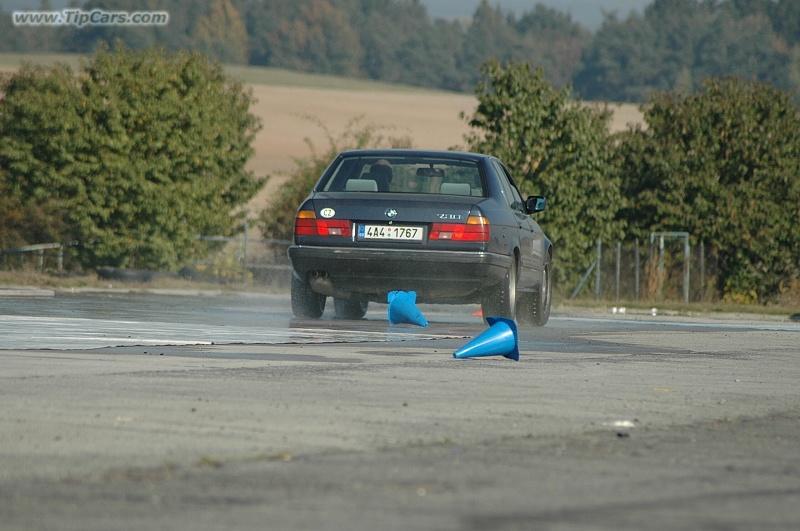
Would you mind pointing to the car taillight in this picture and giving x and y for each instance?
(476, 229)
(307, 224)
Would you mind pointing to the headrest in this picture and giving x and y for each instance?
(455, 189)
(361, 185)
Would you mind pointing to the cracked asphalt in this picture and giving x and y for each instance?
(606, 422)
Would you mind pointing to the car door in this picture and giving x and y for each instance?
(507, 211)
(530, 235)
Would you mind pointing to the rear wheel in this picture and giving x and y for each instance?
(306, 302)
(353, 309)
(536, 305)
(501, 301)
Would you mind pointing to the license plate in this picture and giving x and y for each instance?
(390, 232)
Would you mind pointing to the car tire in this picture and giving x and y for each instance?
(306, 303)
(353, 309)
(536, 305)
(501, 301)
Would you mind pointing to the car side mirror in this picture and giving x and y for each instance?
(535, 203)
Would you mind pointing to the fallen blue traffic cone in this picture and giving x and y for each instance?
(403, 308)
(500, 339)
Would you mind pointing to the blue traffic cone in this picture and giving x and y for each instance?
(403, 308)
(500, 339)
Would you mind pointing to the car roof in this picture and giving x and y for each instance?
(461, 155)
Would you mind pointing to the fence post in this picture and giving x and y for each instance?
(687, 251)
(661, 267)
(636, 273)
(61, 259)
(617, 265)
(244, 245)
(582, 281)
(702, 271)
(40, 260)
(597, 275)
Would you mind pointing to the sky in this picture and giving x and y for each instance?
(587, 12)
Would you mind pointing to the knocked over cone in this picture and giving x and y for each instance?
(500, 339)
(403, 308)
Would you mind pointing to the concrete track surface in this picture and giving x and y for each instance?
(606, 422)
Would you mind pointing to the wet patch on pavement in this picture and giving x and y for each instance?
(35, 332)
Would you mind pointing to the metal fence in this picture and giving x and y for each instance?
(667, 267)
(41, 257)
(241, 259)
(244, 259)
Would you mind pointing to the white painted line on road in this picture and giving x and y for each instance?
(32, 332)
(327, 331)
(132, 340)
(620, 424)
(773, 327)
(60, 319)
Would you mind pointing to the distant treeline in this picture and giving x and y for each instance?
(673, 45)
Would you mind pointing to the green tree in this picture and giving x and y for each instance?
(174, 36)
(677, 44)
(742, 46)
(785, 17)
(550, 39)
(629, 59)
(262, 19)
(27, 214)
(6, 32)
(24, 223)
(722, 164)
(145, 151)
(311, 35)
(553, 147)
(221, 33)
(489, 37)
(31, 38)
(402, 45)
(40, 130)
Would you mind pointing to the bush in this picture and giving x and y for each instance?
(277, 219)
(142, 150)
(723, 165)
(31, 214)
(553, 147)
(22, 224)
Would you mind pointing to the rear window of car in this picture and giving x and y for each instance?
(405, 175)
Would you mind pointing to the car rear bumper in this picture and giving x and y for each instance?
(436, 275)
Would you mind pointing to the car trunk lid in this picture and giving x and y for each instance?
(370, 209)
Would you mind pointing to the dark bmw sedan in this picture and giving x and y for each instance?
(451, 226)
